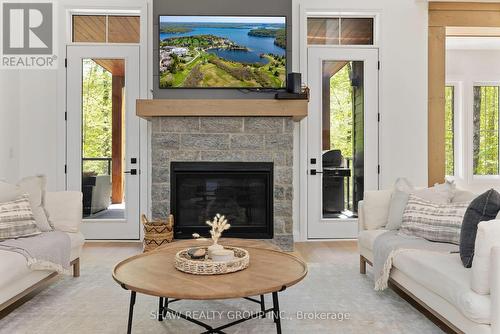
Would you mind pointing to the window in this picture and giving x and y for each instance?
(450, 129)
(340, 31)
(485, 130)
(106, 29)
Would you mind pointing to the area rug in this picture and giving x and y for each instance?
(334, 298)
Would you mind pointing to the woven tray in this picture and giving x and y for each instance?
(206, 266)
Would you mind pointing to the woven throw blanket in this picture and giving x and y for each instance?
(46, 251)
(388, 245)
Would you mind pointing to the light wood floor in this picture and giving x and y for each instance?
(311, 252)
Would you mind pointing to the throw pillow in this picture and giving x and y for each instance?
(375, 206)
(439, 193)
(16, 219)
(8, 192)
(482, 208)
(34, 186)
(399, 198)
(433, 221)
(488, 235)
(463, 196)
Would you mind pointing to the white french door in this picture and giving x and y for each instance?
(342, 130)
(103, 138)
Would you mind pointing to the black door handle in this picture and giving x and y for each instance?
(131, 172)
(314, 172)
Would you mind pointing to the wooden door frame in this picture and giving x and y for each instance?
(442, 15)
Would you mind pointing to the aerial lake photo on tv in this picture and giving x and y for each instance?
(222, 52)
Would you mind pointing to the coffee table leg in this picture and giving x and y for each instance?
(131, 312)
(262, 306)
(276, 312)
(160, 309)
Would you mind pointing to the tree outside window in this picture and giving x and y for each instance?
(485, 134)
(449, 130)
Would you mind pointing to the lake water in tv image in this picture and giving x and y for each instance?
(232, 52)
(256, 45)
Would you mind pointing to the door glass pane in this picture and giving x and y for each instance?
(485, 124)
(449, 130)
(342, 138)
(89, 28)
(123, 29)
(103, 138)
(323, 31)
(340, 31)
(356, 31)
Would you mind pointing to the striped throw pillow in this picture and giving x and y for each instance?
(16, 219)
(433, 221)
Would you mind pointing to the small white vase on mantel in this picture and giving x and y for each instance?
(218, 224)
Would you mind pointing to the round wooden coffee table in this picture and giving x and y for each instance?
(153, 273)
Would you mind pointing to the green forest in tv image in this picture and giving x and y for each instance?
(222, 55)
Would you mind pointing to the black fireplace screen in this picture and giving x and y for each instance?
(242, 191)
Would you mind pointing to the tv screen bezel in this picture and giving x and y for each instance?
(272, 89)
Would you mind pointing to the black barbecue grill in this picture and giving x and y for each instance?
(334, 174)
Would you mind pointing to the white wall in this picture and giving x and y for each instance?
(38, 133)
(9, 125)
(403, 81)
(464, 68)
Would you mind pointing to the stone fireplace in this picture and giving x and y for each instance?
(246, 140)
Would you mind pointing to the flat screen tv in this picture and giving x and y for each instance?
(222, 52)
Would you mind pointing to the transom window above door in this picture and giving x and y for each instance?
(340, 31)
(105, 29)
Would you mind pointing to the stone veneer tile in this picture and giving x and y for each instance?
(279, 141)
(222, 156)
(160, 192)
(221, 124)
(247, 141)
(205, 141)
(289, 125)
(282, 208)
(264, 124)
(174, 124)
(163, 141)
(283, 175)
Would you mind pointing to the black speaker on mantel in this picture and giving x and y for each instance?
(294, 83)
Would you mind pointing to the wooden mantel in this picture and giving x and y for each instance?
(222, 107)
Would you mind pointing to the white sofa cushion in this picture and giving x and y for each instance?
(34, 187)
(444, 274)
(64, 209)
(376, 208)
(488, 235)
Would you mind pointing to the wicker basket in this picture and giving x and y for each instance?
(157, 232)
(183, 262)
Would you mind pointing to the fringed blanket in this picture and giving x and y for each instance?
(45, 251)
(387, 245)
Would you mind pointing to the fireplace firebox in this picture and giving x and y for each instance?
(242, 191)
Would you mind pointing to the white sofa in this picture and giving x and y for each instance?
(64, 210)
(440, 283)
